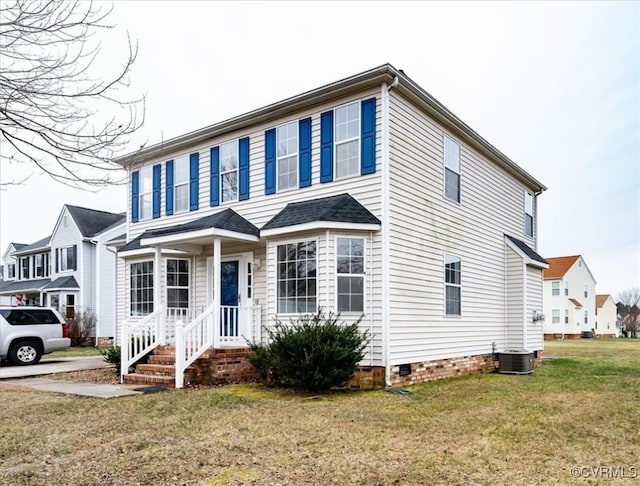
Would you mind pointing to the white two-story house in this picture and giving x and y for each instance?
(569, 298)
(365, 197)
(606, 316)
(71, 270)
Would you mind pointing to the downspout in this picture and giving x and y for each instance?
(97, 278)
(386, 245)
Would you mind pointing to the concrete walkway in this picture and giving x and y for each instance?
(30, 377)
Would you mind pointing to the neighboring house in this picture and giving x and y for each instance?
(364, 197)
(569, 298)
(606, 316)
(71, 270)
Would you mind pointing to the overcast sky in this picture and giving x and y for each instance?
(554, 86)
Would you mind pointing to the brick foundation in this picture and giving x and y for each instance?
(425, 371)
(104, 342)
(221, 367)
(556, 336)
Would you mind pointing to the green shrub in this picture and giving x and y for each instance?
(112, 355)
(315, 352)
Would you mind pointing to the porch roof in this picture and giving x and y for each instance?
(24, 286)
(531, 255)
(63, 283)
(341, 211)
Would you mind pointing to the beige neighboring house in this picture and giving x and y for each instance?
(569, 298)
(606, 316)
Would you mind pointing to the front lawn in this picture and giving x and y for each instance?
(74, 352)
(579, 410)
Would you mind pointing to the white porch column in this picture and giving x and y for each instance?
(216, 292)
(157, 264)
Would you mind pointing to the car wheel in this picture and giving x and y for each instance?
(25, 353)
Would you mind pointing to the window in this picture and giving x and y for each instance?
(24, 267)
(350, 271)
(566, 288)
(555, 288)
(451, 169)
(555, 316)
(229, 171)
(287, 156)
(70, 308)
(146, 193)
(39, 265)
(141, 288)
(528, 214)
(347, 140)
(249, 280)
(67, 258)
(177, 283)
(566, 316)
(11, 270)
(297, 277)
(586, 317)
(586, 291)
(181, 183)
(452, 278)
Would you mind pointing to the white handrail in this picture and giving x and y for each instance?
(140, 337)
(192, 340)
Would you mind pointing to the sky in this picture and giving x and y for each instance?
(554, 86)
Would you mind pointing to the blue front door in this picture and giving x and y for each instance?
(229, 297)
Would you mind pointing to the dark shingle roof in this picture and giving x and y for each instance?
(68, 282)
(117, 239)
(90, 222)
(526, 249)
(342, 208)
(38, 245)
(18, 246)
(227, 220)
(24, 285)
(134, 244)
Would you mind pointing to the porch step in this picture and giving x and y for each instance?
(140, 379)
(162, 359)
(164, 350)
(156, 369)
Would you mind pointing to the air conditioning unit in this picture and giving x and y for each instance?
(516, 361)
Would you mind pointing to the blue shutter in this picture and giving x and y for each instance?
(214, 173)
(270, 161)
(304, 152)
(168, 200)
(135, 194)
(368, 137)
(243, 170)
(157, 170)
(326, 146)
(194, 162)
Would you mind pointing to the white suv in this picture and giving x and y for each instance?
(26, 333)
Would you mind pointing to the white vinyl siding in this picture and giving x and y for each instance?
(514, 280)
(534, 330)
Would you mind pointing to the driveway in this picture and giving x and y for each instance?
(54, 365)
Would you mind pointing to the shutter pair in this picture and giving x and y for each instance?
(243, 172)
(304, 157)
(74, 250)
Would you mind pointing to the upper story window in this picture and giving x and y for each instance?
(350, 270)
(566, 288)
(41, 265)
(451, 169)
(24, 268)
(146, 193)
(528, 214)
(141, 288)
(296, 276)
(11, 270)
(181, 184)
(66, 259)
(566, 316)
(453, 285)
(586, 317)
(287, 156)
(229, 171)
(555, 288)
(347, 140)
(586, 291)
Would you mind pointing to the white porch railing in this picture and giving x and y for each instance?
(192, 341)
(140, 337)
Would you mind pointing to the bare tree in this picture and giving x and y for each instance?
(629, 309)
(58, 111)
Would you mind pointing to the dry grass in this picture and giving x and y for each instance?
(578, 410)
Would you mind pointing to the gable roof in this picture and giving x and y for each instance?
(90, 222)
(41, 244)
(372, 78)
(559, 266)
(601, 299)
(226, 220)
(342, 208)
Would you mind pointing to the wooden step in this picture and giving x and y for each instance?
(138, 379)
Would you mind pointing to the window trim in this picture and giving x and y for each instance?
(532, 215)
(167, 286)
(290, 242)
(141, 178)
(358, 103)
(446, 137)
(555, 283)
(296, 123)
(131, 288)
(566, 316)
(338, 275)
(221, 200)
(60, 259)
(555, 316)
(11, 271)
(176, 160)
(445, 284)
